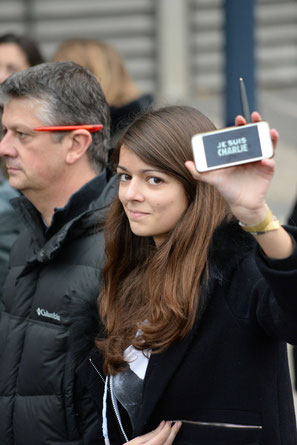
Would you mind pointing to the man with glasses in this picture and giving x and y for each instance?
(55, 135)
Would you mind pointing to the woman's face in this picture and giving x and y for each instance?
(153, 201)
(12, 60)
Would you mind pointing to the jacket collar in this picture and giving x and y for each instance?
(85, 210)
(155, 381)
(75, 206)
(78, 203)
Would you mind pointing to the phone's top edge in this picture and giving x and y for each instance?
(233, 127)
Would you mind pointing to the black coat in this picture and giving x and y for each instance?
(232, 369)
(293, 220)
(41, 402)
(121, 117)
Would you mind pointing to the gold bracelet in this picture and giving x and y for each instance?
(270, 222)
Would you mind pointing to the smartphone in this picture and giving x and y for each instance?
(232, 146)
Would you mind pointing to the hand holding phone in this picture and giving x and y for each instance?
(232, 146)
(244, 187)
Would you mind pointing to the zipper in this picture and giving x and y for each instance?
(113, 401)
(116, 410)
(94, 366)
(223, 425)
(193, 422)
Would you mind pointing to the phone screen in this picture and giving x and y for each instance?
(232, 146)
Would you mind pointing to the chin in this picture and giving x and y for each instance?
(15, 184)
(139, 233)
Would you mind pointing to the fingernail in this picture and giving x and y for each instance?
(177, 424)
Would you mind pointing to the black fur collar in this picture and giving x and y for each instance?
(230, 245)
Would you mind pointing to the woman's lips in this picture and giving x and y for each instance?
(136, 214)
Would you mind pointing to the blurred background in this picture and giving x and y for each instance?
(177, 50)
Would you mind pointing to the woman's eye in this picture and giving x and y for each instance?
(124, 177)
(154, 181)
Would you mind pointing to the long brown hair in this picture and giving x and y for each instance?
(149, 290)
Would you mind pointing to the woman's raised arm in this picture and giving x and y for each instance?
(244, 187)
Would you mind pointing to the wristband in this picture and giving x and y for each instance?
(269, 223)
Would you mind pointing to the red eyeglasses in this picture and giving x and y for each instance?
(90, 128)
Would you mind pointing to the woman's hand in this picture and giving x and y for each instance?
(244, 186)
(163, 435)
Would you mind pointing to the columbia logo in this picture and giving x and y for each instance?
(47, 314)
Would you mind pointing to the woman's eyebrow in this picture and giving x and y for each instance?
(122, 168)
(145, 170)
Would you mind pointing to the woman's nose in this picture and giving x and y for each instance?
(134, 191)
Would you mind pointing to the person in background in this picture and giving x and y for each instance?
(199, 296)
(17, 53)
(123, 96)
(10, 227)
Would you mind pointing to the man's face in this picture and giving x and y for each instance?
(35, 161)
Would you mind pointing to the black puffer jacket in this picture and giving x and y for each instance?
(41, 403)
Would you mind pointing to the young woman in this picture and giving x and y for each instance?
(199, 297)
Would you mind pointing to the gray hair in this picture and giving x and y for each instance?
(69, 95)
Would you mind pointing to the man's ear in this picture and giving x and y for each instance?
(79, 142)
